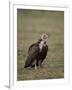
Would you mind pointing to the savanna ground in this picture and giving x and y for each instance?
(30, 26)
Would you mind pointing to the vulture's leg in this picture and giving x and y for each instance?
(35, 64)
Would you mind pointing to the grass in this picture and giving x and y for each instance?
(30, 26)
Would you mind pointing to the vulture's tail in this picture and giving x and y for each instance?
(28, 62)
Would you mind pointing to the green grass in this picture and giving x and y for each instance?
(30, 26)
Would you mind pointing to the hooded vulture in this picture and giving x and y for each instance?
(37, 52)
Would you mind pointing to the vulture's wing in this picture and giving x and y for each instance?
(32, 55)
(31, 47)
(44, 53)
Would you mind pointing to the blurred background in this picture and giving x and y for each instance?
(31, 24)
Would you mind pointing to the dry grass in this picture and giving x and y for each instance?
(30, 26)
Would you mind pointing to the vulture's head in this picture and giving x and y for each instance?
(43, 39)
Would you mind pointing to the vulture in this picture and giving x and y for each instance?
(37, 52)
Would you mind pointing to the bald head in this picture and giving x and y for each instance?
(44, 37)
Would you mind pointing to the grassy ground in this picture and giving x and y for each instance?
(30, 26)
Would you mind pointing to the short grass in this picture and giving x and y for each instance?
(30, 26)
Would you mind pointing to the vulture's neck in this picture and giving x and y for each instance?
(41, 44)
